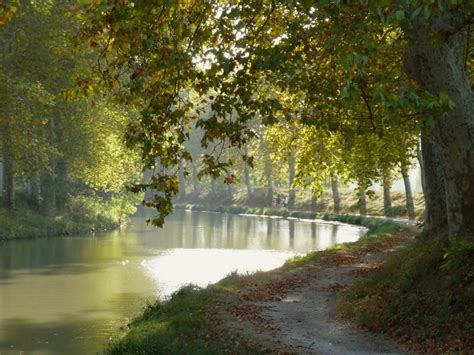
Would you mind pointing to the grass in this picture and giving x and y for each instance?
(204, 321)
(423, 296)
(25, 223)
(187, 323)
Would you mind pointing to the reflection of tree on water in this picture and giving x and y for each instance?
(249, 226)
(230, 230)
(291, 228)
(197, 228)
(213, 227)
(269, 227)
(181, 234)
(334, 234)
(277, 225)
(313, 232)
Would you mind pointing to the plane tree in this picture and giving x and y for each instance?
(360, 68)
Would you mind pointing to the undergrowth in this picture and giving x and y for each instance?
(26, 223)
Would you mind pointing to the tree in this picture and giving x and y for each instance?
(335, 193)
(435, 59)
(7, 9)
(345, 61)
(408, 192)
(362, 192)
(387, 198)
(68, 148)
(246, 173)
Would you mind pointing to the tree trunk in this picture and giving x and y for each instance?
(8, 180)
(436, 217)
(419, 157)
(408, 193)
(363, 199)
(196, 188)
(335, 194)
(314, 203)
(48, 201)
(267, 171)
(247, 181)
(213, 186)
(291, 178)
(230, 192)
(48, 179)
(181, 180)
(35, 190)
(435, 60)
(268, 174)
(61, 185)
(387, 198)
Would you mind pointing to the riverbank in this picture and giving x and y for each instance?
(349, 201)
(26, 224)
(422, 296)
(225, 317)
(285, 213)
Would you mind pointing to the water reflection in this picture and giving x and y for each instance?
(66, 295)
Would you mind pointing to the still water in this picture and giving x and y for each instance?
(69, 295)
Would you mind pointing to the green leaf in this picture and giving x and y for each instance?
(400, 15)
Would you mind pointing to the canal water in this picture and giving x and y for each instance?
(69, 295)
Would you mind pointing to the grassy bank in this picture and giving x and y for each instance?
(349, 203)
(209, 320)
(422, 296)
(285, 213)
(25, 223)
(240, 209)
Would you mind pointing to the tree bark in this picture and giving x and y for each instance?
(230, 192)
(8, 180)
(335, 194)
(35, 190)
(435, 60)
(48, 202)
(181, 180)
(267, 171)
(247, 181)
(213, 186)
(387, 198)
(363, 199)
(314, 203)
(436, 217)
(196, 188)
(408, 193)
(48, 179)
(268, 174)
(419, 157)
(291, 178)
(61, 184)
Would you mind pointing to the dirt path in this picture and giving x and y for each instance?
(301, 317)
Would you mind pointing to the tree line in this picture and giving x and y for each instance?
(372, 75)
(282, 161)
(61, 150)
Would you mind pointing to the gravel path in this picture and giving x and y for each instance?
(304, 319)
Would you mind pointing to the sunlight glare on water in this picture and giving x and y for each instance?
(205, 266)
